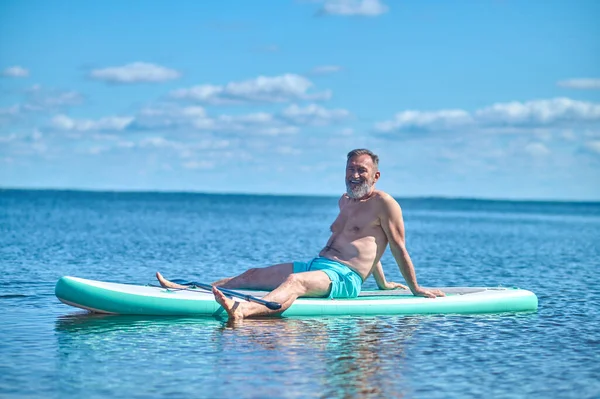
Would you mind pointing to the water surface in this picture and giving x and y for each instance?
(51, 350)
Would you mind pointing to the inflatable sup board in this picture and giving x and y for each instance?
(129, 299)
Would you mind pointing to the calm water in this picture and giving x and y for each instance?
(53, 351)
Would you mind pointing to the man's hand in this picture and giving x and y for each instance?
(392, 286)
(427, 293)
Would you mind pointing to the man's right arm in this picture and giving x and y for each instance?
(341, 201)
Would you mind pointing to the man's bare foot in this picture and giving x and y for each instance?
(231, 307)
(166, 283)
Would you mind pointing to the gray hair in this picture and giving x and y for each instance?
(364, 151)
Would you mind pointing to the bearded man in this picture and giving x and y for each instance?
(368, 221)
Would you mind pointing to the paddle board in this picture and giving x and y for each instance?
(129, 299)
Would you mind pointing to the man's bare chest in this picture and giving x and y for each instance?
(356, 219)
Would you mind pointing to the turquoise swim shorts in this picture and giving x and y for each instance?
(345, 282)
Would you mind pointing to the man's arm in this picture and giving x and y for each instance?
(393, 226)
(382, 283)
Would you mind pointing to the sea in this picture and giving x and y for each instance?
(51, 350)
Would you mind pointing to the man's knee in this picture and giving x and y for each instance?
(292, 280)
(308, 284)
(297, 282)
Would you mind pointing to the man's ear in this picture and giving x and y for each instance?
(377, 175)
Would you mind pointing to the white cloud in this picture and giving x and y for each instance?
(15, 72)
(325, 69)
(36, 135)
(9, 138)
(186, 149)
(10, 114)
(287, 121)
(125, 144)
(24, 144)
(314, 115)
(198, 165)
(42, 99)
(170, 110)
(287, 150)
(10, 111)
(61, 99)
(257, 123)
(582, 83)
(513, 116)
(113, 123)
(537, 149)
(134, 73)
(426, 120)
(167, 116)
(568, 135)
(158, 142)
(172, 118)
(366, 8)
(258, 118)
(38, 100)
(196, 118)
(32, 137)
(593, 133)
(97, 149)
(593, 146)
(263, 89)
(539, 112)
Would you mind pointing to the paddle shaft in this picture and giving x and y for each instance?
(232, 293)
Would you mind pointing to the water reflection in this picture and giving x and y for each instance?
(312, 357)
(356, 357)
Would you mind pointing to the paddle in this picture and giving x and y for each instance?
(249, 298)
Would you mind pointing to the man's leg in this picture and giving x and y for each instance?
(315, 284)
(266, 278)
(168, 284)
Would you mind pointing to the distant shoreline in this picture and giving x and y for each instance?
(410, 198)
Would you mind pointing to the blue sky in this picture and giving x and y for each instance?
(488, 99)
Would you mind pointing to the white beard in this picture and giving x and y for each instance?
(360, 191)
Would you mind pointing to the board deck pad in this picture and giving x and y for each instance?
(118, 298)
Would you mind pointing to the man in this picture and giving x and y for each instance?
(369, 219)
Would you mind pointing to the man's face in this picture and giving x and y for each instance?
(360, 176)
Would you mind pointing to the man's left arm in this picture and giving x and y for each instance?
(382, 282)
(393, 226)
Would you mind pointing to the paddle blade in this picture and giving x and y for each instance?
(273, 305)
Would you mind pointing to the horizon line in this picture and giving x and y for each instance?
(257, 194)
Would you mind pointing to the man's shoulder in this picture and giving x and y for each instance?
(343, 200)
(383, 196)
(385, 200)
